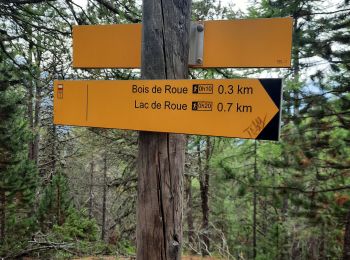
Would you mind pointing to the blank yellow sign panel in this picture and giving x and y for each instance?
(248, 43)
(107, 46)
(233, 108)
(264, 42)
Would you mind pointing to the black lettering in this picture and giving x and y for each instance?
(243, 108)
(244, 90)
(174, 106)
(141, 105)
(175, 90)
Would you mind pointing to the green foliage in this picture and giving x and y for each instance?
(55, 203)
(76, 227)
(126, 248)
(209, 10)
(18, 175)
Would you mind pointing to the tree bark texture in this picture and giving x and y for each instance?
(322, 250)
(33, 103)
(91, 194)
(159, 216)
(165, 46)
(2, 215)
(204, 190)
(104, 198)
(255, 198)
(189, 214)
(346, 248)
(59, 195)
(53, 152)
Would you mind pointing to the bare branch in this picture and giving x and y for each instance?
(21, 2)
(115, 10)
(346, 187)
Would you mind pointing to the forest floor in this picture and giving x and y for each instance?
(127, 258)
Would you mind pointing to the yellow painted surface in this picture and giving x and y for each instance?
(107, 46)
(248, 43)
(232, 107)
(263, 42)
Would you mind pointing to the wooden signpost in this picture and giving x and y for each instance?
(161, 158)
(229, 107)
(164, 102)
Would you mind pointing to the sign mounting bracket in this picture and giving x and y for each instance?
(195, 57)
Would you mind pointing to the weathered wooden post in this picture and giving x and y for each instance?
(254, 114)
(165, 47)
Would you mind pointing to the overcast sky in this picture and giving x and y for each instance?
(239, 4)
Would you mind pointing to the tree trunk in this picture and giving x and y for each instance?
(204, 188)
(104, 197)
(322, 250)
(2, 215)
(165, 47)
(189, 215)
(346, 248)
(30, 106)
(296, 71)
(312, 252)
(296, 250)
(59, 195)
(33, 109)
(255, 197)
(91, 202)
(30, 111)
(53, 153)
(36, 137)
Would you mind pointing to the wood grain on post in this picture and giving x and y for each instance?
(165, 45)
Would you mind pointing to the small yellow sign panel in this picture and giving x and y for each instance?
(107, 46)
(263, 42)
(248, 43)
(233, 107)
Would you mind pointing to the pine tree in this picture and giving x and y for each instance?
(18, 175)
(55, 202)
(315, 129)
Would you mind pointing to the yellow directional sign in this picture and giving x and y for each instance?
(245, 108)
(263, 42)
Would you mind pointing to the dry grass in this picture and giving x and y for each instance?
(198, 258)
(125, 258)
(101, 258)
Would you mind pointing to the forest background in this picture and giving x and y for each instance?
(70, 191)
